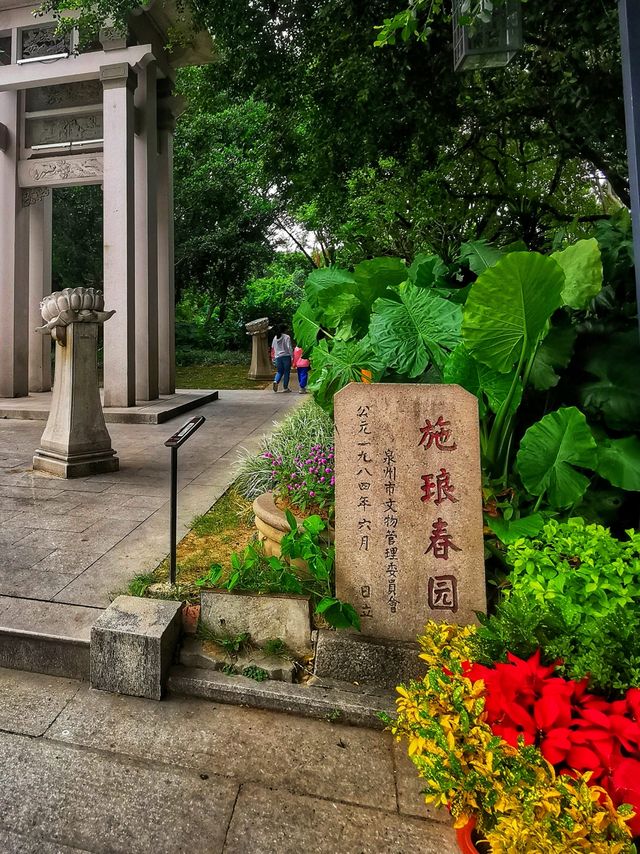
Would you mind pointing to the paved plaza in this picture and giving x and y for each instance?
(71, 544)
(86, 771)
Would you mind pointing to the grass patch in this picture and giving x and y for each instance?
(214, 536)
(217, 377)
(138, 585)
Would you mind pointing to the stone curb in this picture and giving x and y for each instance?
(350, 705)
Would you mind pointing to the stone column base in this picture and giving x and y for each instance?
(75, 465)
(261, 376)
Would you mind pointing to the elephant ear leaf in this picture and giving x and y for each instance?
(554, 353)
(509, 307)
(306, 326)
(428, 271)
(619, 462)
(479, 255)
(336, 366)
(419, 330)
(325, 284)
(582, 265)
(488, 385)
(550, 449)
(372, 278)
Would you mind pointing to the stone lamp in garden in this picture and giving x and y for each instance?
(75, 442)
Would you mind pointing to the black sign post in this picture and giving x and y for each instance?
(178, 439)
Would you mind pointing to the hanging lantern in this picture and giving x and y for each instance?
(492, 40)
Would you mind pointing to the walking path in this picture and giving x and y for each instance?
(70, 544)
(84, 771)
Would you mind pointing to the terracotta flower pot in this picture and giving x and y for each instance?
(465, 839)
(272, 526)
(190, 617)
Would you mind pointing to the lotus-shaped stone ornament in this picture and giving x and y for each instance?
(72, 305)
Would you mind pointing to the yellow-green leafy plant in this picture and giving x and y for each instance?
(518, 801)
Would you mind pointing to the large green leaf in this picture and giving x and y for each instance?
(408, 335)
(479, 255)
(615, 396)
(372, 278)
(428, 271)
(582, 267)
(339, 314)
(550, 449)
(619, 462)
(554, 353)
(306, 326)
(485, 383)
(509, 306)
(336, 366)
(509, 532)
(323, 285)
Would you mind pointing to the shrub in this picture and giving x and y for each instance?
(307, 481)
(582, 569)
(307, 426)
(492, 745)
(575, 594)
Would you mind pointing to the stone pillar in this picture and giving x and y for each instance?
(166, 259)
(146, 219)
(39, 203)
(14, 258)
(75, 442)
(261, 368)
(119, 234)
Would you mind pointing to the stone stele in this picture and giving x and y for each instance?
(409, 545)
(75, 442)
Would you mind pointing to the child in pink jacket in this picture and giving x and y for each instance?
(302, 367)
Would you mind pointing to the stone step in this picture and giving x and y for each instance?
(336, 702)
(35, 407)
(366, 661)
(46, 637)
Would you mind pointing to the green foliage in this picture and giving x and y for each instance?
(187, 357)
(509, 307)
(306, 426)
(252, 671)
(549, 452)
(575, 594)
(418, 331)
(619, 462)
(140, 583)
(254, 571)
(232, 644)
(581, 568)
(582, 266)
(275, 646)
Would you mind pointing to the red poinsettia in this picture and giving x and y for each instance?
(575, 731)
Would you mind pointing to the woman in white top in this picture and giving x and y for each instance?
(281, 353)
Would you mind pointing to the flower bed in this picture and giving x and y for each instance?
(539, 763)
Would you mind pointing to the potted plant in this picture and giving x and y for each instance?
(303, 484)
(526, 760)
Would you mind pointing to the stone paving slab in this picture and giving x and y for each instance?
(107, 803)
(130, 776)
(266, 821)
(313, 757)
(30, 702)
(16, 843)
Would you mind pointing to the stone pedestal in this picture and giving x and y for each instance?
(75, 442)
(261, 368)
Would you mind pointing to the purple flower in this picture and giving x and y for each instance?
(312, 494)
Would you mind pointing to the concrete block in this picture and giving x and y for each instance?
(262, 616)
(132, 646)
(366, 661)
